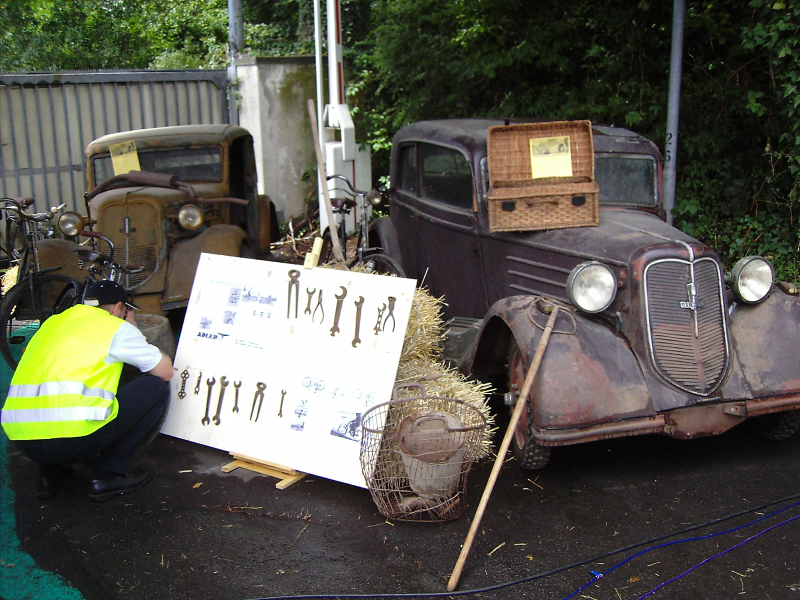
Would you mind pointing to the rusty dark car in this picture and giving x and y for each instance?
(653, 337)
(162, 226)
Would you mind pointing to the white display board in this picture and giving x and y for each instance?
(273, 327)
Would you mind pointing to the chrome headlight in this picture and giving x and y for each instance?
(591, 286)
(70, 223)
(751, 279)
(190, 216)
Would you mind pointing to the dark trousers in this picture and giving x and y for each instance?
(142, 406)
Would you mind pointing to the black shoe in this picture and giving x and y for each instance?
(52, 477)
(104, 489)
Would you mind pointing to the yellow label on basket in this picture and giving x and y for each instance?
(124, 158)
(550, 157)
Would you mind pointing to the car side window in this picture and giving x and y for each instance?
(408, 169)
(446, 176)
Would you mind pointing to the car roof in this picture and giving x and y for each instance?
(166, 136)
(471, 134)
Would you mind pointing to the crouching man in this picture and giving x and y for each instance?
(64, 407)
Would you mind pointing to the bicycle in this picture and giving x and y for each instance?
(40, 293)
(33, 298)
(371, 258)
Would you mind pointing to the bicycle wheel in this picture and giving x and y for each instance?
(326, 254)
(379, 263)
(21, 313)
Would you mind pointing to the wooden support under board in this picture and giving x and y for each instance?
(287, 475)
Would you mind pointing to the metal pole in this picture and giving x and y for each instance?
(673, 108)
(321, 176)
(236, 42)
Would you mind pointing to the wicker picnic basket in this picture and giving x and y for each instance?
(522, 197)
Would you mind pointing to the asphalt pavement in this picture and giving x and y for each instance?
(196, 532)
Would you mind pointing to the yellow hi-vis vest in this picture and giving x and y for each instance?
(62, 388)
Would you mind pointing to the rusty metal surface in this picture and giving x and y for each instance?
(61, 253)
(220, 239)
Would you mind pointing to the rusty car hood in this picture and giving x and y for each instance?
(619, 234)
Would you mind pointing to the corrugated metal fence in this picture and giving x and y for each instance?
(47, 120)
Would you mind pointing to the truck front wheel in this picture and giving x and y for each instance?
(529, 454)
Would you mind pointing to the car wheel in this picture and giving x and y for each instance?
(529, 454)
(245, 251)
(776, 426)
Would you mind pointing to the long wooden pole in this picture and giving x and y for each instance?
(501, 454)
(337, 246)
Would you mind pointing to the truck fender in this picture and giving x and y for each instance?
(383, 234)
(588, 374)
(219, 239)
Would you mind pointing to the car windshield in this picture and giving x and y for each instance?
(626, 179)
(189, 164)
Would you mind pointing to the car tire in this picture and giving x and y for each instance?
(245, 251)
(530, 455)
(776, 426)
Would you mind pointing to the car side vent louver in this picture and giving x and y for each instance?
(687, 331)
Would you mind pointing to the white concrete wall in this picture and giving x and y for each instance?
(272, 97)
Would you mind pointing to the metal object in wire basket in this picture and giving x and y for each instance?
(416, 453)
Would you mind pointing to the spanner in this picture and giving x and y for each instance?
(310, 292)
(223, 382)
(359, 304)
(210, 383)
(339, 302)
(236, 386)
(280, 408)
(184, 377)
(377, 328)
(197, 385)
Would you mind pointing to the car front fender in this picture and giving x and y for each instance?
(588, 374)
(219, 239)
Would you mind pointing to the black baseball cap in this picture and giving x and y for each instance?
(108, 292)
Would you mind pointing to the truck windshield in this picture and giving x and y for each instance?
(189, 164)
(626, 179)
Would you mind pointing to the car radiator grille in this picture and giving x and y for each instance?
(140, 246)
(688, 341)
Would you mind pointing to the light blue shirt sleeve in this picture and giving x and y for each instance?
(130, 346)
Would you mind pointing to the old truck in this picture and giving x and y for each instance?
(653, 337)
(153, 222)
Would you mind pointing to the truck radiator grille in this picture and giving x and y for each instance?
(688, 340)
(141, 245)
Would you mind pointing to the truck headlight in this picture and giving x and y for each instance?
(70, 223)
(591, 286)
(751, 279)
(190, 216)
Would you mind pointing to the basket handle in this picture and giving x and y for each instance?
(409, 385)
(426, 418)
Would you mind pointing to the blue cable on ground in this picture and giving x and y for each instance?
(693, 539)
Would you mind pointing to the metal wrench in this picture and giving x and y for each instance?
(280, 408)
(236, 386)
(377, 328)
(294, 275)
(260, 387)
(223, 382)
(339, 302)
(184, 377)
(197, 385)
(310, 293)
(210, 383)
(359, 304)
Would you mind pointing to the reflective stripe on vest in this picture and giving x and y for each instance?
(63, 387)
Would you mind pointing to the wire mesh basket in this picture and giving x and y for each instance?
(416, 453)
